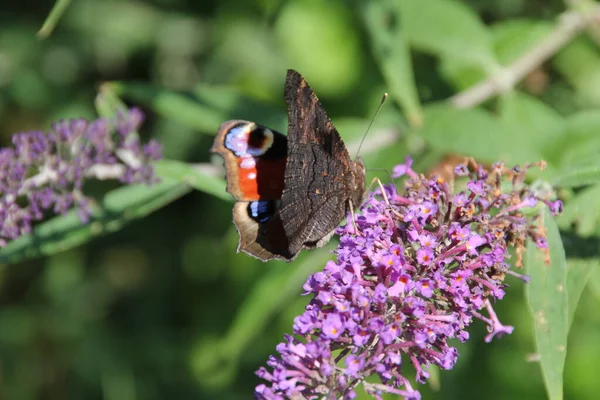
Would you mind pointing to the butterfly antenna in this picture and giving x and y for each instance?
(383, 99)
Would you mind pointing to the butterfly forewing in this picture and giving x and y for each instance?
(314, 200)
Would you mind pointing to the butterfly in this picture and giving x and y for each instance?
(291, 191)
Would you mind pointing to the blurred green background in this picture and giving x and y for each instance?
(165, 308)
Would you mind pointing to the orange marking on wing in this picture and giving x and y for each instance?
(263, 182)
(248, 186)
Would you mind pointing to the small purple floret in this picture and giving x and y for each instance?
(404, 169)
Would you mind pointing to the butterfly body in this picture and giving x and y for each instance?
(291, 192)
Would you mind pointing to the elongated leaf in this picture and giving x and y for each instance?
(547, 297)
(390, 48)
(462, 74)
(275, 291)
(512, 38)
(216, 360)
(447, 28)
(594, 283)
(474, 132)
(233, 104)
(538, 125)
(118, 208)
(580, 144)
(515, 37)
(578, 176)
(193, 176)
(582, 212)
(579, 63)
(580, 271)
(204, 109)
(179, 107)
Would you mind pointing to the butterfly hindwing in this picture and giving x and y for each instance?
(255, 159)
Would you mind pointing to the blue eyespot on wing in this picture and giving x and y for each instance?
(261, 210)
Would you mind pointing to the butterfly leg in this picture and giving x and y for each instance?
(353, 217)
(383, 194)
(351, 205)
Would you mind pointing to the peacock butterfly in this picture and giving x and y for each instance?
(291, 192)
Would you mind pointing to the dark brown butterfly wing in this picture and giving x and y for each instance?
(321, 180)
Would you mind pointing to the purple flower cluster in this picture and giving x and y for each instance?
(412, 272)
(45, 172)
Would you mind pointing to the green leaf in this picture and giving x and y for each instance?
(547, 298)
(233, 104)
(579, 63)
(581, 212)
(511, 39)
(59, 8)
(514, 37)
(193, 176)
(536, 124)
(580, 144)
(118, 208)
(268, 296)
(594, 283)
(204, 109)
(447, 28)
(579, 273)
(474, 132)
(578, 176)
(179, 107)
(393, 55)
(462, 74)
(353, 129)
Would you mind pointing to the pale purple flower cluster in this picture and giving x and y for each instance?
(45, 172)
(413, 270)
